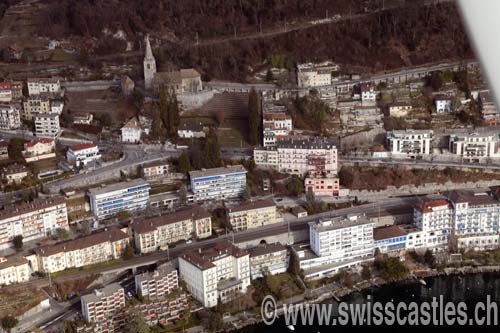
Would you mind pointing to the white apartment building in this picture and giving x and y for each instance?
(157, 284)
(475, 215)
(47, 125)
(14, 173)
(410, 143)
(443, 104)
(155, 233)
(435, 219)
(218, 273)
(9, 116)
(128, 196)
(315, 75)
(268, 259)
(132, 131)
(103, 304)
(37, 86)
(334, 244)
(33, 105)
(82, 154)
(56, 107)
(14, 270)
(276, 126)
(218, 183)
(474, 146)
(368, 94)
(266, 157)
(252, 214)
(33, 220)
(88, 250)
(10, 90)
(155, 170)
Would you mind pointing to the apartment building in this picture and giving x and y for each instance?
(266, 157)
(334, 244)
(218, 183)
(157, 284)
(14, 269)
(47, 125)
(155, 170)
(221, 272)
(488, 108)
(132, 131)
(83, 154)
(252, 214)
(443, 104)
(435, 219)
(315, 75)
(323, 186)
(14, 173)
(56, 106)
(368, 94)
(39, 149)
(9, 116)
(154, 233)
(276, 126)
(268, 259)
(474, 146)
(107, 201)
(475, 218)
(399, 109)
(88, 250)
(389, 238)
(103, 304)
(10, 90)
(37, 86)
(33, 220)
(35, 104)
(410, 143)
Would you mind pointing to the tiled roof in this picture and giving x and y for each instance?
(149, 225)
(203, 259)
(24, 208)
(388, 232)
(250, 205)
(82, 146)
(471, 197)
(266, 249)
(35, 141)
(427, 206)
(113, 234)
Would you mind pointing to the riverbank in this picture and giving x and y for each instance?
(340, 294)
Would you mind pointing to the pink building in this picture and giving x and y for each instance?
(322, 186)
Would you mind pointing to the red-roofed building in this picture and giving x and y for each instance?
(39, 149)
(435, 219)
(82, 154)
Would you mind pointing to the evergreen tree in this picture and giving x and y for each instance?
(164, 107)
(253, 117)
(212, 150)
(173, 115)
(157, 128)
(136, 323)
(184, 163)
(9, 322)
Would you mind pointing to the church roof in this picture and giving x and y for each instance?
(149, 52)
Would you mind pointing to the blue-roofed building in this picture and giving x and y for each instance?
(218, 183)
(128, 196)
(391, 238)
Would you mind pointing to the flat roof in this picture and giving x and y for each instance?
(117, 186)
(338, 223)
(217, 171)
(388, 232)
(250, 205)
(98, 294)
(472, 197)
(266, 249)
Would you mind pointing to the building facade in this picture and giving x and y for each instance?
(37, 86)
(399, 109)
(129, 196)
(88, 250)
(268, 259)
(474, 146)
(315, 75)
(218, 183)
(47, 125)
(220, 273)
(155, 170)
(276, 126)
(252, 214)
(82, 154)
(389, 239)
(14, 270)
(410, 143)
(14, 173)
(322, 186)
(103, 304)
(9, 117)
(132, 131)
(39, 149)
(33, 220)
(434, 219)
(33, 105)
(158, 232)
(157, 284)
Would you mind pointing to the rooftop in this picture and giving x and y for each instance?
(338, 223)
(83, 146)
(23, 208)
(250, 205)
(266, 249)
(193, 127)
(217, 171)
(149, 225)
(203, 259)
(117, 186)
(429, 206)
(388, 232)
(43, 80)
(156, 163)
(474, 198)
(307, 143)
(36, 141)
(13, 169)
(97, 295)
(159, 273)
(112, 234)
(12, 262)
(132, 123)
(409, 131)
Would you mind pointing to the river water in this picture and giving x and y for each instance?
(465, 288)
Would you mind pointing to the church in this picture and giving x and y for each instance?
(180, 82)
